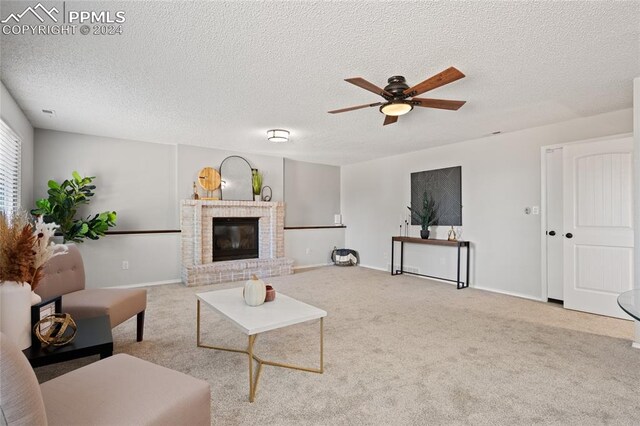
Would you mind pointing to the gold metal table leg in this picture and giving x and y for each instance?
(250, 353)
(253, 380)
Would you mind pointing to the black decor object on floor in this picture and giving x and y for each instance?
(445, 187)
(344, 257)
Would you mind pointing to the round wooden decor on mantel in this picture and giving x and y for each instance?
(209, 179)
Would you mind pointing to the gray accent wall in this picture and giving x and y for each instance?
(136, 179)
(311, 193)
(143, 182)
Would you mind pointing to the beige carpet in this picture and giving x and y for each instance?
(401, 350)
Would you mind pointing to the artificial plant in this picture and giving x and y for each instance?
(62, 206)
(428, 215)
(256, 181)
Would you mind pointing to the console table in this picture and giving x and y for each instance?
(412, 240)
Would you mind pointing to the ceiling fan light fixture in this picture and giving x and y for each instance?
(396, 108)
(278, 135)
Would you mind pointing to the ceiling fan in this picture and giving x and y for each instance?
(399, 97)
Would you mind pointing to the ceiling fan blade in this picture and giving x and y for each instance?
(390, 119)
(336, 111)
(447, 76)
(438, 103)
(361, 82)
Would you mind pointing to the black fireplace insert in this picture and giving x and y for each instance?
(235, 238)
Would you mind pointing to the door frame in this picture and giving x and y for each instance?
(544, 295)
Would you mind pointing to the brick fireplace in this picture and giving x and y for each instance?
(196, 221)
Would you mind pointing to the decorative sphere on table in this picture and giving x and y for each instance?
(60, 329)
(255, 291)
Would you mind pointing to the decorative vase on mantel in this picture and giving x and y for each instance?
(15, 312)
(424, 234)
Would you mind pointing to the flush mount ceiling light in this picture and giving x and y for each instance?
(396, 108)
(278, 135)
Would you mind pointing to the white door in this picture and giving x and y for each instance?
(554, 238)
(598, 225)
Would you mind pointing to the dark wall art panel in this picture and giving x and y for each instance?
(445, 187)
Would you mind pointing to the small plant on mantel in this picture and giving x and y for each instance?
(62, 206)
(256, 182)
(427, 216)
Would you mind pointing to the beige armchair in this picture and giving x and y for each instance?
(64, 276)
(119, 390)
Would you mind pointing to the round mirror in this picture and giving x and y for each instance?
(237, 179)
(209, 179)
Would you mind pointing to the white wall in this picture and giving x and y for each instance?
(312, 247)
(13, 116)
(500, 177)
(312, 193)
(636, 155)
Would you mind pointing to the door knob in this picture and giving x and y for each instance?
(569, 235)
(552, 233)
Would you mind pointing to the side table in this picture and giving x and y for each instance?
(92, 338)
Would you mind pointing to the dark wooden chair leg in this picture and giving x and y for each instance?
(140, 326)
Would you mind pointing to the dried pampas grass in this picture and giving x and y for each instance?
(16, 248)
(26, 248)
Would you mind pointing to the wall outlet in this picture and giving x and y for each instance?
(125, 265)
(308, 250)
(535, 210)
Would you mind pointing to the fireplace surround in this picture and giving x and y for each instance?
(197, 251)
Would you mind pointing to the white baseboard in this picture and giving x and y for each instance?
(318, 265)
(510, 293)
(374, 267)
(149, 284)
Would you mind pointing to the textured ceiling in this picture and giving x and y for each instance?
(220, 74)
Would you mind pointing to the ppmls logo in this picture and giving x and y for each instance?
(33, 11)
(41, 20)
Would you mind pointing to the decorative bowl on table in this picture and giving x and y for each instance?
(271, 294)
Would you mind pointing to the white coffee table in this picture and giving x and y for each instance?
(253, 320)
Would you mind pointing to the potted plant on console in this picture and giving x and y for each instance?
(427, 215)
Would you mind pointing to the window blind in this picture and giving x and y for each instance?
(10, 150)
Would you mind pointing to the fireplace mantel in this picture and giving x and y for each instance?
(196, 222)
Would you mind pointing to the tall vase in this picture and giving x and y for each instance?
(15, 312)
(35, 298)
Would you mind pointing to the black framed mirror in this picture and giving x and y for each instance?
(236, 179)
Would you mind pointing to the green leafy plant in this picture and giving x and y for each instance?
(62, 205)
(428, 215)
(256, 180)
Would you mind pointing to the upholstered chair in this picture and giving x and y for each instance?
(64, 276)
(118, 390)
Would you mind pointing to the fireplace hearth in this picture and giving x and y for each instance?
(235, 238)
